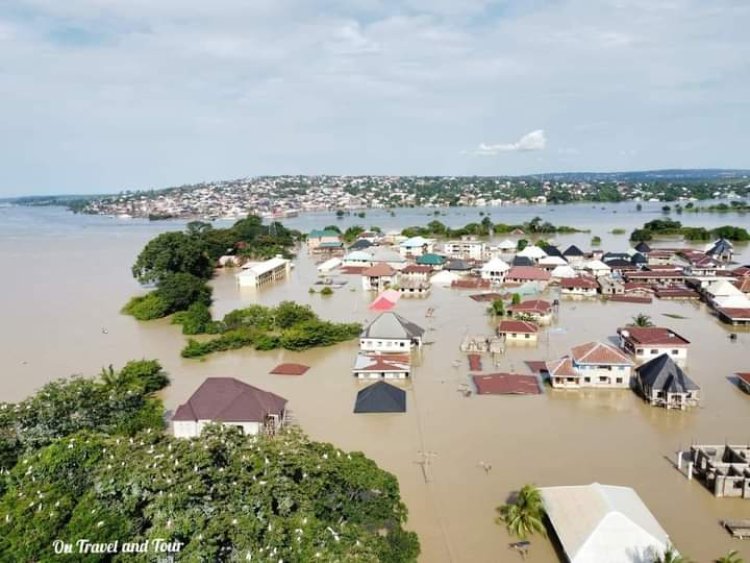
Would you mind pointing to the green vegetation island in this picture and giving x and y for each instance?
(670, 227)
(89, 458)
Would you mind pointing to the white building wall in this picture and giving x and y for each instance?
(385, 345)
(193, 429)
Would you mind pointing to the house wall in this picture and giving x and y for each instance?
(584, 291)
(385, 345)
(193, 429)
(646, 353)
(528, 337)
(604, 376)
(377, 283)
(493, 275)
(658, 398)
(381, 374)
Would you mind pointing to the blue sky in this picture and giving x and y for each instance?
(105, 95)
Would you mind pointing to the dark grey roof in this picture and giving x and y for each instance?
(663, 374)
(615, 256)
(360, 244)
(380, 397)
(642, 247)
(573, 250)
(392, 326)
(722, 246)
(458, 265)
(522, 261)
(618, 263)
(552, 251)
(639, 258)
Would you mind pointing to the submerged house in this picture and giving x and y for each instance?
(390, 332)
(725, 470)
(538, 310)
(380, 397)
(381, 366)
(229, 402)
(592, 365)
(379, 277)
(645, 343)
(258, 274)
(494, 270)
(518, 331)
(603, 524)
(663, 384)
(584, 287)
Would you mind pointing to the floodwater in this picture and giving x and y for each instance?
(64, 279)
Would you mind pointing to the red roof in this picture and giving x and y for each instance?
(485, 297)
(527, 273)
(743, 284)
(382, 362)
(225, 399)
(517, 326)
(744, 376)
(562, 367)
(290, 369)
(652, 336)
(506, 384)
(599, 354)
(532, 306)
(574, 283)
(381, 269)
(473, 283)
(736, 313)
(475, 362)
(536, 366)
(417, 269)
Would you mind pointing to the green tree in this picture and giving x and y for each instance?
(172, 253)
(351, 234)
(288, 314)
(326, 291)
(179, 291)
(522, 243)
(670, 556)
(497, 308)
(731, 557)
(516, 299)
(641, 320)
(596, 241)
(523, 516)
(196, 320)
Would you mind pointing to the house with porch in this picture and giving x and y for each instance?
(416, 246)
(538, 310)
(390, 332)
(663, 383)
(494, 270)
(592, 365)
(229, 402)
(645, 343)
(525, 274)
(580, 286)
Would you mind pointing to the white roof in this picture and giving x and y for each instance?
(259, 268)
(329, 264)
(443, 277)
(495, 265)
(532, 251)
(596, 265)
(597, 523)
(387, 255)
(415, 242)
(552, 261)
(358, 256)
(565, 271)
(723, 288)
(732, 302)
(507, 244)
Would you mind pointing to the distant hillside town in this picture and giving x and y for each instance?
(287, 196)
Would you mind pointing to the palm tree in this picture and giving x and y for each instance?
(670, 556)
(731, 557)
(642, 319)
(523, 516)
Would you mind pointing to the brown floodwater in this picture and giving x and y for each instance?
(60, 309)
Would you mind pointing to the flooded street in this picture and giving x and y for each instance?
(61, 295)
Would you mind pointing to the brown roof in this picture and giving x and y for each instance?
(290, 369)
(475, 362)
(225, 399)
(743, 284)
(562, 367)
(472, 283)
(382, 362)
(599, 354)
(585, 283)
(380, 269)
(536, 365)
(744, 376)
(485, 297)
(517, 326)
(417, 269)
(652, 336)
(506, 384)
(532, 306)
(528, 273)
(736, 313)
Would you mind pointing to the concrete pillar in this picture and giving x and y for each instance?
(690, 471)
(679, 460)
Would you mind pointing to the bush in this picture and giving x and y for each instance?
(146, 307)
(196, 320)
(326, 291)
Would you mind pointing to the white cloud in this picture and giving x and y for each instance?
(533, 141)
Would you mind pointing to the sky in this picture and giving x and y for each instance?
(98, 96)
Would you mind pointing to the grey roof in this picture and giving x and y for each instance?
(663, 374)
(642, 247)
(573, 250)
(457, 264)
(392, 326)
(722, 246)
(360, 244)
(639, 258)
(552, 250)
(380, 397)
(522, 261)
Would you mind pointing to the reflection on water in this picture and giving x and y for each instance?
(59, 292)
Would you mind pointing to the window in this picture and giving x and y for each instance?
(587, 379)
(619, 380)
(528, 336)
(403, 344)
(603, 379)
(675, 352)
(639, 351)
(654, 352)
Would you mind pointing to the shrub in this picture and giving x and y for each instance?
(146, 307)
